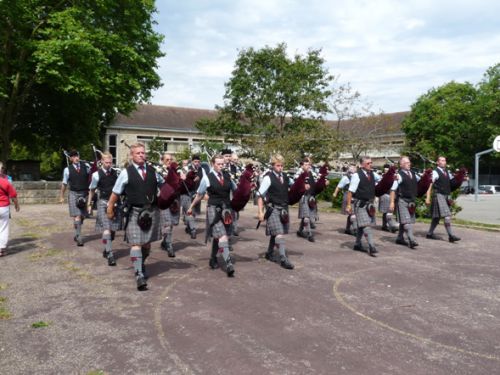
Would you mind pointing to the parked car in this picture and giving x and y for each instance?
(490, 189)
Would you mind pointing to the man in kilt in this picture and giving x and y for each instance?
(440, 190)
(77, 175)
(219, 185)
(351, 226)
(384, 202)
(402, 198)
(187, 197)
(171, 215)
(103, 180)
(274, 187)
(308, 213)
(140, 183)
(362, 189)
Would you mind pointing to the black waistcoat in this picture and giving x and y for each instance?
(408, 186)
(366, 189)
(106, 183)
(278, 192)
(141, 192)
(78, 181)
(442, 184)
(219, 194)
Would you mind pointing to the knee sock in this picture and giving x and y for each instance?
(354, 223)
(280, 241)
(307, 227)
(348, 223)
(190, 222)
(78, 228)
(447, 225)
(301, 227)
(272, 243)
(401, 232)
(224, 246)
(167, 237)
(384, 220)
(434, 224)
(215, 248)
(409, 232)
(359, 235)
(106, 240)
(390, 222)
(136, 258)
(367, 232)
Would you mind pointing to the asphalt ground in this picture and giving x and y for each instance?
(432, 310)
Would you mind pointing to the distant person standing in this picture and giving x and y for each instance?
(3, 174)
(77, 175)
(7, 192)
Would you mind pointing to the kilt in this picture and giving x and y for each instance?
(135, 235)
(404, 216)
(168, 218)
(383, 203)
(362, 217)
(185, 203)
(304, 210)
(274, 226)
(102, 222)
(72, 197)
(219, 229)
(439, 206)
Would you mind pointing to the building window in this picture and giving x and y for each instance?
(112, 146)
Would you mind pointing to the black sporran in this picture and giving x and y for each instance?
(174, 207)
(370, 208)
(284, 217)
(227, 216)
(411, 208)
(145, 219)
(80, 202)
(312, 203)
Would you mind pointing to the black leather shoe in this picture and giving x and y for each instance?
(394, 229)
(431, 236)
(372, 250)
(359, 248)
(401, 241)
(235, 233)
(385, 229)
(311, 238)
(193, 234)
(213, 263)
(230, 269)
(104, 254)
(142, 285)
(186, 229)
(453, 238)
(348, 232)
(269, 256)
(111, 261)
(286, 264)
(79, 242)
(413, 244)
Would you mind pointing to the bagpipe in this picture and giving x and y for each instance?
(244, 188)
(321, 182)
(170, 190)
(298, 188)
(385, 184)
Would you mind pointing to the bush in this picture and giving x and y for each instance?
(327, 194)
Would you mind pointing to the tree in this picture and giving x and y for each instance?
(488, 101)
(67, 67)
(270, 96)
(444, 121)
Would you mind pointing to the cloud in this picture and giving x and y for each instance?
(390, 51)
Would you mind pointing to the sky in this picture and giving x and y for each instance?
(391, 52)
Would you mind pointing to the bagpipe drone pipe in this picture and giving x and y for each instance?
(244, 188)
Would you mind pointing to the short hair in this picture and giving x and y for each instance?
(441, 156)
(135, 145)
(172, 157)
(277, 158)
(362, 159)
(196, 157)
(216, 156)
(403, 157)
(226, 151)
(107, 155)
(73, 153)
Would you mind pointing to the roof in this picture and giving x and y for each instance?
(376, 124)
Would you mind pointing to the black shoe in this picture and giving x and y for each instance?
(235, 233)
(401, 241)
(186, 229)
(453, 238)
(372, 250)
(142, 285)
(79, 242)
(311, 238)
(286, 264)
(193, 234)
(75, 238)
(269, 256)
(394, 229)
(431, 236)
(385, 229)
(313, 225)
(164, 245)
(170, 251)
(144, 274)
(347, 232)
(111, 261)
(359, 247)
(213, 263)
(301, 234)
(413, 244)
(229, 269)
(104, 254)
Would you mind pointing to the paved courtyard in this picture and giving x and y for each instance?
(432, 310)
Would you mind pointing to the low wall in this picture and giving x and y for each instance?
(30, 192)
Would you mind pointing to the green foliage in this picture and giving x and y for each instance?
(183, 154)
(68, 68)
(155, 150)
(327, 194)
(274, 103)
(40, 324)
(50, 165)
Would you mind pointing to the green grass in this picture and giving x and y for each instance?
(37, 255)
(40, 324)
(4, 312)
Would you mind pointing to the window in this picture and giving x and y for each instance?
(112, 146)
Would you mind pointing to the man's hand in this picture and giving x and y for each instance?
(391, 207)
(61, 200)
(348, 208)
(427, 201)
(261, 216)
(110, 212)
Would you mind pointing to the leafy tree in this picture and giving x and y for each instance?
(67, 68)
(488, 102)
(270, 98)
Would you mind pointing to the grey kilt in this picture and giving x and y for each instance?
(274, 226)
(73, 196)
(439, 206)
(168, 218)
(384, 202)
(135, 235)
(219, 229)
(362, 217)
(404, 216)
(185, 203)
(304, 210)
(102, 222)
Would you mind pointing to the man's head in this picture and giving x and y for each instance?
(351, 170)
(74, 156)
(277, 162)
(196, 161)
(404, 163)
(106, 160)
(441, 162)
(138, 153)
(305, 164)
(218, 163)
(366, 163)
(226, 154)
(167, 158)
(234, 158)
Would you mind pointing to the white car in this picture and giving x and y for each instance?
(491, 189)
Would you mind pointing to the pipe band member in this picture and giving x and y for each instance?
(351, 226)
(308, 213)
(77, 176)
